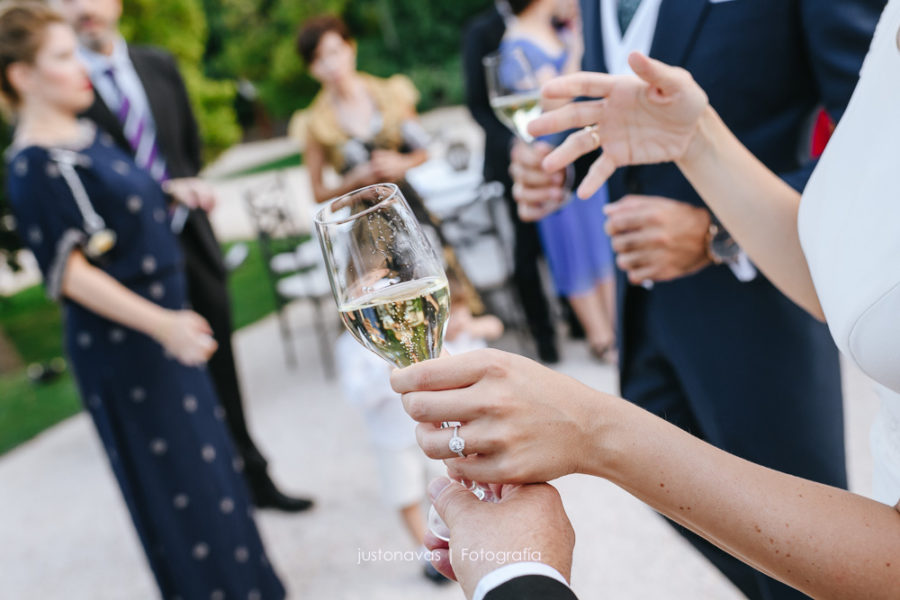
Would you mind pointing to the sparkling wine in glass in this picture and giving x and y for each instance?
(513, 90)
(387, 280)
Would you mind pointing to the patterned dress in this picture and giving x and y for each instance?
(159, 421)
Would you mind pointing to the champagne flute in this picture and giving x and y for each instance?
(513, 90)
(388, 281)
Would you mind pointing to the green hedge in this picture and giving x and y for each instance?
(255, 39)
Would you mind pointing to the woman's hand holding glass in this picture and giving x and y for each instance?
(651, 118)
(525, 422)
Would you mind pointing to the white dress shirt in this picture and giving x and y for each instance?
(130, 85)
(498, 577)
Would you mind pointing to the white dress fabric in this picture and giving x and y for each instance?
(850, 231)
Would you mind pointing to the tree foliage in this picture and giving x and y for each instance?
(421, 38)
(180, 26)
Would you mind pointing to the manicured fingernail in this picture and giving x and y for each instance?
(437, 486)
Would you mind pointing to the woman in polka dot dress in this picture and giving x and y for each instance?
(98, 226)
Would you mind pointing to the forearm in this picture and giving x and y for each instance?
(757, 207)
(826, 542)
(98, 292)
(416, 158)
(325, 193)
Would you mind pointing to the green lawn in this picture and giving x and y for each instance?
(27, 409)
(32, 323)
(251, 293)
(286, 162)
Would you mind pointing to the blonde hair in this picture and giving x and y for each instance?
(23, 27)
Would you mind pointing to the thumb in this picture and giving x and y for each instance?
(450, 499)
(658, 74)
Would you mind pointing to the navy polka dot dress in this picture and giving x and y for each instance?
(160, 421)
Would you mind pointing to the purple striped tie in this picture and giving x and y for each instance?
(141, 138)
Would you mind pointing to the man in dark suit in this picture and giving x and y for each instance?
(141, 101)
(482, 36)
(707, 342)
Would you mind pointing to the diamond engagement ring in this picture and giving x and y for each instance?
(592, 130)
(457, 444)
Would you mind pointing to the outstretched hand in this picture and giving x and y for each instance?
(651, 118)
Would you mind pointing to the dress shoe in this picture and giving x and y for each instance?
(267, 495)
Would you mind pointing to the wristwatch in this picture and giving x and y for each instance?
(720, 246)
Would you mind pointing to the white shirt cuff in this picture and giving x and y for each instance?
(498, 577)
(742, 268)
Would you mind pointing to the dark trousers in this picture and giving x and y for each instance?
(526, 276)
(788, 430)
(208, 295)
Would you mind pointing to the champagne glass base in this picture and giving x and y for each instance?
(437, 526)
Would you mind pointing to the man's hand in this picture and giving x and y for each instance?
(657, 239)
(536, 192)
(193, 192)
(527, 524)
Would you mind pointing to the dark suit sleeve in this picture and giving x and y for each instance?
(531, 587)
(476, 45)
(837, 35)
(193, 147)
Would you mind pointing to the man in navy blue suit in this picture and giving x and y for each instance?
(706, 341)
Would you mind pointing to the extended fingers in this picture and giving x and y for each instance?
(575, 85)
(602, 169)
(570, 116)
(577, 144)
